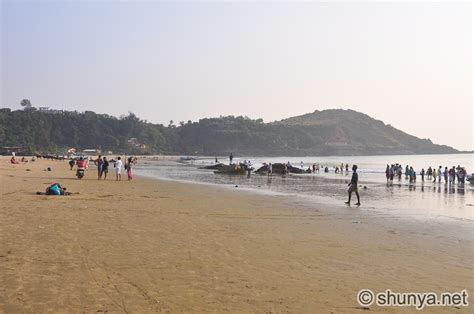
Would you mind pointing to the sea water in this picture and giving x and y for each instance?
(421, 199)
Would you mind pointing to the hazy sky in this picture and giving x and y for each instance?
(406, 64)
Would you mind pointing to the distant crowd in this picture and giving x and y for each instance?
(450, 175)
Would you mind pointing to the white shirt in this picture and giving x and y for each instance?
(118, 164)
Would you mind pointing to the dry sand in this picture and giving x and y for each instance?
(156, 246)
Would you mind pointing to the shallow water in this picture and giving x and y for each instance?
(421, 199)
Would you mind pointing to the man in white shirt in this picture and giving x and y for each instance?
(118, 169)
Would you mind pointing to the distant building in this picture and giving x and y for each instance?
(48, 110)
(132, 140)
(91, 151)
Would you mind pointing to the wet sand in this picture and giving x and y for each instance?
(157, 246)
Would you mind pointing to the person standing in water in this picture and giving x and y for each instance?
(440, 172)
(391, 173)
(353, 186)
(422, 173)
(434, 175)
(231, 157)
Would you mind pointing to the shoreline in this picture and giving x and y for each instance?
(326, 202)
(308, 201)
(152, 245)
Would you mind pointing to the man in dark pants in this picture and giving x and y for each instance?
(353, 186)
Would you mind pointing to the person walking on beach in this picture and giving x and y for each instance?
(440, 171)
(231, 157)
(422, 173)
(434, 175)
(387, 172)
(353, 186)
(129, 168)
(98, 162)
(446, 173)
(71, 163)
(270, 169)
(105, 167)
(118, 169)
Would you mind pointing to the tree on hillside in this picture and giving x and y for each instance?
(26, 103)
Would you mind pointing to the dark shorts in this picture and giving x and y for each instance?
(353, 188)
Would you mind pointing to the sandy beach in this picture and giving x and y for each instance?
(159, 246)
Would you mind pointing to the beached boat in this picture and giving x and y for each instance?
(470, 178)
(279, 168)
(213, 167)
(231, 169)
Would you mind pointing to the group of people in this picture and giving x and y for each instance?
(314, 168)
(450, 175)
(102, 164)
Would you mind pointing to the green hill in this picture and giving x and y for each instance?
(328, 132)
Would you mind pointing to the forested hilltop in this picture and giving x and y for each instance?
(328, 132)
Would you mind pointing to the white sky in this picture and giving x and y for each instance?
(407, 64)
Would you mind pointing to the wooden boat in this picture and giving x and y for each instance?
(231, 169)
(279, 168)
(213, 167)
